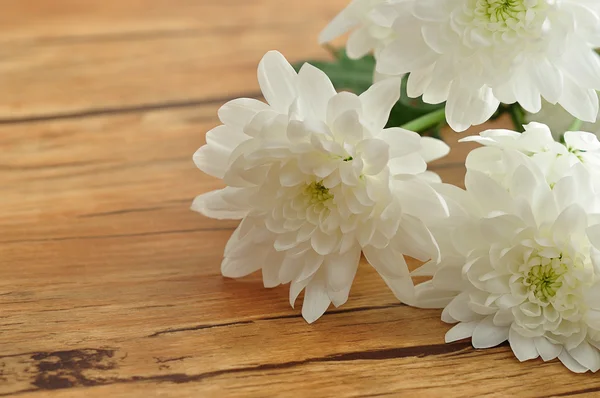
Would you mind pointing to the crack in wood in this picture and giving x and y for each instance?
(198, 327)
(165, 360)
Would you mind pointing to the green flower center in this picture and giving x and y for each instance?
(500, 10)
(545, 279)
(521, 17)
(317, 193)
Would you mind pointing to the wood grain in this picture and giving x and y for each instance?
(111, 287)
(189, 52)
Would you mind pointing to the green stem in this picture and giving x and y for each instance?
(516, 114)
(427, 121)
(576, 125)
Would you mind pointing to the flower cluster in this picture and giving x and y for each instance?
(474, 54)
(521, 248)
(319, 178)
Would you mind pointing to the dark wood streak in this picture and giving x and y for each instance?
(273, 318)
(120, 167)
(111, 111)
(73, 308)
(92, 237)
(47, 166)
(199, 327)
(575, 392)
(165, 360)
(134, 210)
(72, 373)
(123, 211)
(142, 35)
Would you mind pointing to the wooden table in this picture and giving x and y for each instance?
(110, 285)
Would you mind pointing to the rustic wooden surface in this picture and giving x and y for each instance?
(110, 286)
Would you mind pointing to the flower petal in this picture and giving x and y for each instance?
(375, 154)
(460, 331)
(378, 101)
(579, 102)
(315, 90)
(213, 157)
(433, 149)
(316, 300)
(237, 267)
(405, 54)
(402, 142)
(547, 350)
(295, 288)
(571, 363)
(213, 205)
(360, 42)
(341, 24)
(386, 262)
(523, 347)
(487, 335)
(427, 296)
(339, 297)
(278, 81)
(587, 356)
(341, 103)
(238, 112)
(341, 268)
(466, 107)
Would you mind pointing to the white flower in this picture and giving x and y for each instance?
(475, 54)
(521, 262)
(316, 180)
(538, 143)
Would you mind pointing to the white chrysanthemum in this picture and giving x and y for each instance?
(316, 180)
(538, 143)
(521, 262)
(475, 54)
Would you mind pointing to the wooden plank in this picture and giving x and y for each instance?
(43, 21)
(103, 75)
(101, 293)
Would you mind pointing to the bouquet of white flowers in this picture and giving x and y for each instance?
(319, 177)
